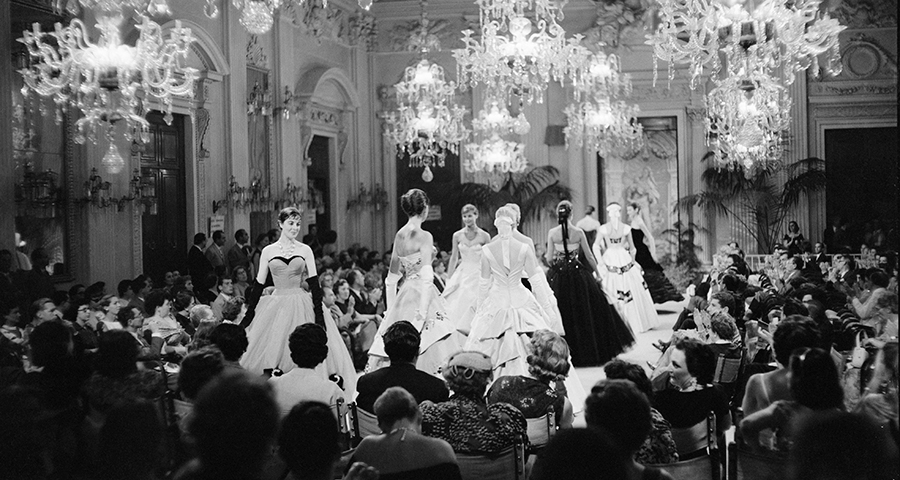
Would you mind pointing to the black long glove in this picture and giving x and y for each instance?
(254, 292)
(317, 295)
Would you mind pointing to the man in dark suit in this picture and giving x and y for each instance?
(357, 280)
(401, 343)
(239, 253)
(821, 256)
(198, 265)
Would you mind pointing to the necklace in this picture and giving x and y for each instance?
(286, 253)
(405, 429)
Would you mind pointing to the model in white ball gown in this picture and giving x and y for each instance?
(621, 274)
(465, 270)
(275, 316)
(418, 300)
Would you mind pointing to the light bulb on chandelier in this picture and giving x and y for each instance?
(112, 161)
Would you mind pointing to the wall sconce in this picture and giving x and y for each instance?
(288, 104)
(292, 196)
(377, 198)
(97, 191)
(38, 194)
(260, 101)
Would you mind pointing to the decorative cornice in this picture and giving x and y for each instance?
(320, 22)
(696, 114)
(364, 31)
(848, 88)
(860, 14)
(619, 23)
(856, 111)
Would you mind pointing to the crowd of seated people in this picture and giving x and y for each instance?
(92, 383)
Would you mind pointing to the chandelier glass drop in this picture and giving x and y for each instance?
(597, 118)
(492, 152)
(776, 36)
(427, 123)
(258, 16)
(747, 116)
(109, 81)
(516, 56)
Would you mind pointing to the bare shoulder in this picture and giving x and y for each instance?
(305, 250)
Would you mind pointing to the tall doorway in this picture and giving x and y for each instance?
(164, 222)
(443, 215)
(319, 179)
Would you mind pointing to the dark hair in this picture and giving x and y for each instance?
(798, 262)
(139, 283)
(589, 210)
(239, 233)
(564, 211)
(231, 340)
(702, 290)
(879, 278)
(308, 441)
(117, 354)
(840, 445)
(413, 202)
(401, 342)
(309, 345)
(154, 300)
(726, 300)
(794, 332)
(49, 343)
(699, 358)
(353, 274)
(125, 315)
(221, 279)
(814, 380)
(199, 238)
(622, 409)
(123, 287)
(396, 403)
(286, 213)
(218, 235)
(36, 306)
(549, 357)
(724, 326)
(183, 298)
(581, 454)
(131, 441)
(622, 370)
(234, 421)
(197, 369)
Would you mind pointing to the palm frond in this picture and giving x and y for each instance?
(812, 179)
(531, 183)
(544, 200)
(713, 200)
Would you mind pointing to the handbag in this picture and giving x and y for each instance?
(859, 352)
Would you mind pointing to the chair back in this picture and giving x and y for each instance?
(727, 369)
(700, 436)
(366, 423)
(745, 465)
(509, 464)
(541, 429)
(694, 469)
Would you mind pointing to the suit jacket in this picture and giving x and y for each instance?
(362, 305)
(198, 266)
(421, 385)
(821, 258)
(216, 258)
(237, 257)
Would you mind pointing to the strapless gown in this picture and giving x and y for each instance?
(438, 341)
(622, 280)
(661, 289)
(278, 314)
(462, 289)
(594, 329)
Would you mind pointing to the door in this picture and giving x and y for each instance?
(318, 175)
(443, 217)
(164, 222)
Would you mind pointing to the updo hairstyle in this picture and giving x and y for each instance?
(564, 211)
(549, 358)
(414, 202)
(469, 208)
(289, 212)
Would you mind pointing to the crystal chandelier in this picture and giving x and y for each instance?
(109, 81)
(515, 56)
(747, 116)
(427, 122)
(497, 119)
(257, 16)
(152, 7)
(773, 35)
(597, 118)
(496, 154)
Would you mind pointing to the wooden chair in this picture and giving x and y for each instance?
(508, 464)
(694, 469)
(541, 429)
(746, 465)
(701, 436)
(362, 423)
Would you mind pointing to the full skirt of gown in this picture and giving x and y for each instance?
(460, 295)
(439, 338)
(623, 281)
(594, 330)
(277, 315)
(661, 289)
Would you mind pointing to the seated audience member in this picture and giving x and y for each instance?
(692, 395)
(879, 400)
(203, 317)
(401, 343)
(814, 386)
(110, 306)
(132, 322)
(233, 311)
(402, 452)
(12, 339)
(883, 317)
(198, 368)
(131, 442)
(161, 324)
(763, 389)
(141, 286)
(41, 310)
(87, 326)
(52, 372)
(581, 454)
(532, 394)
(465, 421)
(241, 280)
(234, 423)
(876, 284)
(697, 301)
(308, 444)
(231, 340)
(118, 378)
(184, 300)
(208, 292)
(309, 347)
(619, 408)
(658, 447)
(225, 287)
(836, 445)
